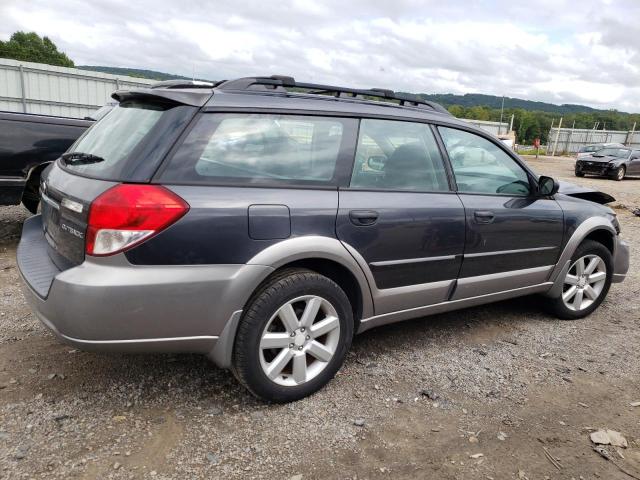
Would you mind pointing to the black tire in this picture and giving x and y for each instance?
(277, 291)
(620, 173)
(588, 247)
(579, 174)
(31, 195)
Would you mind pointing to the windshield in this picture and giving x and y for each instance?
(114, 137)
(590, 148)
(613, 152)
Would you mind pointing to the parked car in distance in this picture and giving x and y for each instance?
(612, 162)
(587, 150)
(28, 144)
(264, 227)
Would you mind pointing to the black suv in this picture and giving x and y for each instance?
(263, 222)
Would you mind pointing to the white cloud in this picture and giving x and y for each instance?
(543, 50)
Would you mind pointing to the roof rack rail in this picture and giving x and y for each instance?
(280, 83)
(183, 84)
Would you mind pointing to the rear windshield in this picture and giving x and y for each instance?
(258, 148)
(110, 141)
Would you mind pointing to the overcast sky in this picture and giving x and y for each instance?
(559, 51)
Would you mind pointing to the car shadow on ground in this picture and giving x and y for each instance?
(146, 377)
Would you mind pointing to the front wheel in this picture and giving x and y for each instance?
(293, 337)
(586, 283)
(619, 173)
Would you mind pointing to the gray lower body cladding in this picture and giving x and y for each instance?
(109, 304)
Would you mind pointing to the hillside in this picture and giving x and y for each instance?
(493, 101)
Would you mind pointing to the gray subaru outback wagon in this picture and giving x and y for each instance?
(263, 222)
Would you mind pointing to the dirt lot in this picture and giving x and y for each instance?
(506, 381)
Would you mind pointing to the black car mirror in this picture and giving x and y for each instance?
(547, 186)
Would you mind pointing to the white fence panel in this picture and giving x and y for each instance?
(570, 140)
(494, 128)
(49, 90)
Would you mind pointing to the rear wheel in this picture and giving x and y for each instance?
(293, 337)
(587, 282)
(579, 174)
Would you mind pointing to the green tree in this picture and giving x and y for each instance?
(30, 47)
(456, 111)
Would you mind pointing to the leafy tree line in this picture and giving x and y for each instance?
(536, 124)
(30, 47)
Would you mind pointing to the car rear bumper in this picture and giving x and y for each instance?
(108, 304)
(620, 260)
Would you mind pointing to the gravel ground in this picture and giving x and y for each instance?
(487, 392)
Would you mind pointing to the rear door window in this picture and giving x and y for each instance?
(259, 148)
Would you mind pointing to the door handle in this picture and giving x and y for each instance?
(363, 217)
(484, 216)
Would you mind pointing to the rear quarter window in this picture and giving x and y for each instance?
(259, 149)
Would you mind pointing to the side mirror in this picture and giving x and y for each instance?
(547, 186)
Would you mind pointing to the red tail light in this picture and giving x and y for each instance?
(128, 214)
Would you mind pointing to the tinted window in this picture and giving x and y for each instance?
(398, 156)
(115, 136)
(259, 147)
(480, 166)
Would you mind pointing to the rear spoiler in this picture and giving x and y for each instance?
(195, 97)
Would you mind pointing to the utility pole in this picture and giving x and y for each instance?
(630, 136)
(501, 111)
(570, 137)
(555, 145)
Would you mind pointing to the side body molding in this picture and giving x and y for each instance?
(585, 228)
(317, 247)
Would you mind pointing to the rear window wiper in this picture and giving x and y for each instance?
(80, 158)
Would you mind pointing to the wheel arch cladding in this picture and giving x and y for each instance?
(328, 257)
(592, 228)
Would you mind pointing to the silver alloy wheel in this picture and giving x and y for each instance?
(299, 340)
(620, 173)
(584, 282)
